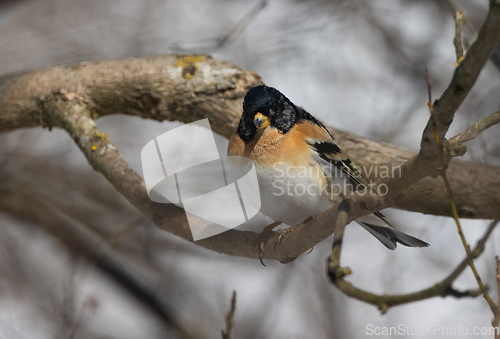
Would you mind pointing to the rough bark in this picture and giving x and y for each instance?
(187, 88)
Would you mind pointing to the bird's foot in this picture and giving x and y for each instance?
(266, 235)
(282, 232)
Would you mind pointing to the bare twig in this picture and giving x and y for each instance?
(426, 162)
(212, 45)
(496, 320)
(457, 40)
(464, 78)
(473, 32)
(468, 25)
(442, 113)
(443, 288)
(474, 130)
(442, 170)
(230, 318)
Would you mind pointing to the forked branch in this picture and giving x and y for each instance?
(444, 288)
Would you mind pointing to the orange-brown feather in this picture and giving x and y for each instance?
(271, 147)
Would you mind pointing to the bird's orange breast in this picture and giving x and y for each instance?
(272, 146)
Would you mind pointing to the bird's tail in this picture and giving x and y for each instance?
(386, 234)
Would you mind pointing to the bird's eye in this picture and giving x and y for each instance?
(261, 121)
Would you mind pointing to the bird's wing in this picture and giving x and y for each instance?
(321, 143)
(327, 151)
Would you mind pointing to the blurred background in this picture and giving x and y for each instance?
(73, 251)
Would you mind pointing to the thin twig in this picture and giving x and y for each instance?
(443, 288)
(457, 41)
(474, 130)
(473, 31)
(334, 267)
(230, 318)
(212, 45)
(495, 322)
(442, 170)
(464, 78)
(467, 23)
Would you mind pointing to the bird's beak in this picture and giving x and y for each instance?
(261, 121)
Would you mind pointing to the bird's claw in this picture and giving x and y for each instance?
(268, 234)
(281, 235)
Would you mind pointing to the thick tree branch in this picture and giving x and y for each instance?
(164, 87)
(71, 113)
(155, 88)
(427, 162)
(187, 88)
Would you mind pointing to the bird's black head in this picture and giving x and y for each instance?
(266, 106)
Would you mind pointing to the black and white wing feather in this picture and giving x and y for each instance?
(326, 150)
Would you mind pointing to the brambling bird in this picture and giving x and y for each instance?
(300, 169)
